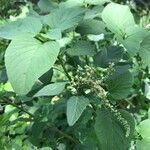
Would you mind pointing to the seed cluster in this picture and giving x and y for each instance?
(88, 80)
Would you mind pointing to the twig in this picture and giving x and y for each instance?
(6, 101)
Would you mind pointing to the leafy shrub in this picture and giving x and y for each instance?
(78, 78)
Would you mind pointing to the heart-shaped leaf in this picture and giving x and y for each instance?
(27, 59)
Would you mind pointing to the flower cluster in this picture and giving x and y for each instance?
(87, 80)
(91, 80)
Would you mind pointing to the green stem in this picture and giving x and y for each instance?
(66, 136)
(64, 68)
(41, 38)
(87, 60)
(97, 46)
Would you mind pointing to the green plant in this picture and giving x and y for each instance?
(77, 75)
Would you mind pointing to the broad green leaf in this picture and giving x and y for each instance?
(110, 132)
(104, 57)
(90, 139)
(4, 119)
(144, 144)
(46, 77)
(26, 60)
(91, 26)
(72, 3)
(28, 26)
(81, 48)
(51, 89)
(144, 129)
(54, 34)
(47, 5)
(133, 39)
(75, 107)
(117, 18)
(145, 51)
(94, 12)
(36, 132)
(96, 2)
(120, 82)
(64, 18)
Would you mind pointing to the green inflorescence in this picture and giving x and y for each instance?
(91, 80)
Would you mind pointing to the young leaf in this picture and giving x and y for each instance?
(120, 82)
(91, 26)
(27, 59)
(110, 132)
(112, 54)
(28, 26)
(75, 106)
(51, 89)
(47, 5)
(64, 18)
(81, 48)
(117, 18)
